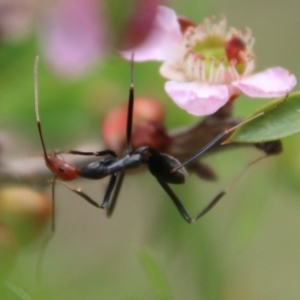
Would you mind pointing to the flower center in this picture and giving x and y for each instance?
(215, 55)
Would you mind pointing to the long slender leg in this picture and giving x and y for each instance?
(111, 184)
(115, 188)
(80, 193)
(53, 205)
(176, 201)
(115, 182)
(226, 132)
(213, 202)
(41, 257)
(130, 105)
(49, 238)
(214, 141)
(219, 196)
(110, 189)
(96, 153)
(210, 205)
(110, 208)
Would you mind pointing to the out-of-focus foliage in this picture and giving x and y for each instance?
(246, 248)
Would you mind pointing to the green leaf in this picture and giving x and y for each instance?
(156, 275)
(281, 119)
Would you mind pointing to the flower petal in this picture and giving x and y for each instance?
(73, 36)
(170, 70)
(196, 98)
(273, 82)
(137, 27)
(164, 37)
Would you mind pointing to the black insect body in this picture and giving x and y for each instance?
(165, 168)
(107, 166)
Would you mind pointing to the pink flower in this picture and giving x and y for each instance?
(74, 35)
(209, 64)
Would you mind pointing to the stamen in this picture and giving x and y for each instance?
(189, 66)
(234, 73)
(211, 69)
(249, 67)
(197, 68)
(219, 76)
(220, 68)
(202, 70)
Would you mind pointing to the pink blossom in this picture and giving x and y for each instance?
(273, 82)
(208, 64)
(74, 35)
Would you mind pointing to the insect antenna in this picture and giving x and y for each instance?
(38, 122)
(130, 107)
(119, 178)
(36, 102)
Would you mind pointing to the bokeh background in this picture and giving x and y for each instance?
(247, 247)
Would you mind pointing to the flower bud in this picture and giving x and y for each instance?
(25, 211)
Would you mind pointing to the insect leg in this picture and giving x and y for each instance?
(53, 205)
(176, 201)
(220, 195)
(80, 193)
(97, 153)
(218, 138)
(128, 149)
(110, 189)
(111, 206)
(212, 203)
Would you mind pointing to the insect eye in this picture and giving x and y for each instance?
(61, 169)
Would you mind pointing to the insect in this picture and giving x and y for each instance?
(183, 142)
(165, 168)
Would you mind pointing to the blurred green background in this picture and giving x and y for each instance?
(246, 248)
